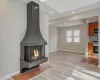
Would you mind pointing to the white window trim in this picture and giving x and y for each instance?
(76, 36)
(72, 36)
(66, 36)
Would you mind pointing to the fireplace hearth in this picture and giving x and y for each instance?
(33, 45)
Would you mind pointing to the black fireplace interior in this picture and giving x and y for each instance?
(33, 53)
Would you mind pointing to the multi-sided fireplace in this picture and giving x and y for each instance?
(33, 53)
(33, 44)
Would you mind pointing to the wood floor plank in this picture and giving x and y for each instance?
(69, 66)
(64, 66)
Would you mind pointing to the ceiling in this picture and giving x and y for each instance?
(67, 5)
(43, 6)
(62, 9)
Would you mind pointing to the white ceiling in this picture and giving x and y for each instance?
(63, 9)
(67, 5)
(43, 6)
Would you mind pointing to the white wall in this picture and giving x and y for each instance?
(83, 15)
(87, 37)
(13, 23)
(52, 39)
(12, 29)
(44, 27)
(74, 47)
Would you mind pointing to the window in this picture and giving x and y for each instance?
(73, 36)
(69, 35)
(76, 34)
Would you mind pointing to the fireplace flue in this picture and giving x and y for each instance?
(33, 44)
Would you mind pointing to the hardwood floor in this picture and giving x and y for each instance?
(66, 66)
(31, 73)
(91, 60)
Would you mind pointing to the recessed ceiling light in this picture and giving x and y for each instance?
(64, 23)
(43, 0)
(52, 12)
(73, 12)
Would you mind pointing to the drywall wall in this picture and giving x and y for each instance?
(74, 47)
(70, 23)
(86, 39)
(44, 28)
(52, 39)
(13, 23)
(12, 30)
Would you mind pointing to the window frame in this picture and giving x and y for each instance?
(72, 36)
(68, 36)
(76, 36)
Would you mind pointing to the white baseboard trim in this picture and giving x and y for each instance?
(71, 51)
(98, 66)
(53, 51)
(9, 75)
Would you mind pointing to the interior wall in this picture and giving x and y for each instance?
(44, 28)
(52, 39)
(13, 23)
(74, 47)
(12, 30)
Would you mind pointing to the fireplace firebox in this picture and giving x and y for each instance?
(33, 53)
(33, 44)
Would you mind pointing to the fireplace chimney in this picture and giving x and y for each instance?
(33, 34)
(33, 44)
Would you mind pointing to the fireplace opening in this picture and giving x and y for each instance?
(36, 54)
(33, 53)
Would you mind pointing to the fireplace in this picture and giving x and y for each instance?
(33, 53)
(33, 44)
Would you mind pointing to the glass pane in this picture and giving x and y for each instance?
(69, 39)
(76, 32)
(76, 39)
(69, 33)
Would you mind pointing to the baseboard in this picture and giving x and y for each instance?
(98, 66)
(9, 75)
(53, 51)
(71, 51)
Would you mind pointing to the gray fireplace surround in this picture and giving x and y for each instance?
(33, 40)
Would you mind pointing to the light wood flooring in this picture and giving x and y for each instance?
(68, 66)
(91, 60)
(64, 66)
